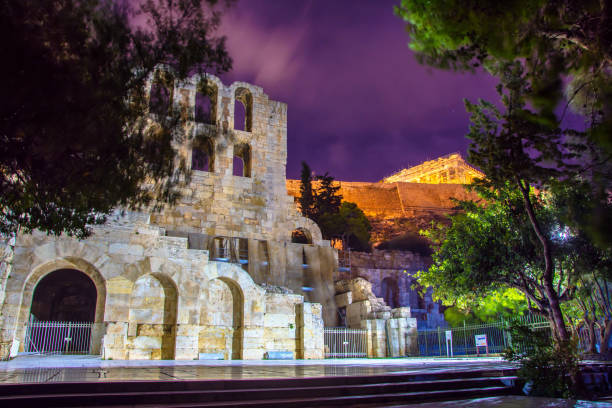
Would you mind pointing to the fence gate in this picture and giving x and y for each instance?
(58, 337)
(341, 342)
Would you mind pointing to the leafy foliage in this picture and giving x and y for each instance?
(493, 246)
(563, 48)
(337, 219)
(76, 136)
(327, 199)
(306, 195)
(349, 224)
(551, 370)
(504, 302)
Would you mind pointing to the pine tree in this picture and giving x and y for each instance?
(306, 196)
(327, 199)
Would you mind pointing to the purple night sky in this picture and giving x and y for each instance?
(360, 106)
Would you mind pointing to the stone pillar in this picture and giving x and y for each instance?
(310, 331)
(114, 342)
(186, 342)
(377, 346)
(252, 342)
(95, 341)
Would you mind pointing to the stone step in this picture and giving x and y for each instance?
(111, 386)
(261, 392)
(268, 393)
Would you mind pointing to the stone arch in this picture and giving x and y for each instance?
(242, 160)
(67, 262)
(306, 224)
(222, 319)
(301, 236)
(203, 154)
(252, 294)
(152, 317)
(243, 109)
(161, 92)
(206, 100)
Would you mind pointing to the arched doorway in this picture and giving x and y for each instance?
(152, 318)
(62, 313)
(221, 320)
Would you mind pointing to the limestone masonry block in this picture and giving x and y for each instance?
(344, 299)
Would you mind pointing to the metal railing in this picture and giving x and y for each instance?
(341, 342)
(456, 341)
(58, 337)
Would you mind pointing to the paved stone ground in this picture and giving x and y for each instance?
(34, 368)
(509, 402)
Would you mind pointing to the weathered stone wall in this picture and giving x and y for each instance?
(389, 332)
(397, 200)
(184, 282)
(391, 276)
(156, 298)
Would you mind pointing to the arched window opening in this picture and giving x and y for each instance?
(243, 110)
(301, 236)
(242, 160)
(160, 97)
(390, 292)
(202, 155)
(206, 103)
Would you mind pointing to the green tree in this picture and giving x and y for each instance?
(306, 195)
(336, 219)
(504, 302)
(553, 41)
(493, 246)
(349, 225)
(76, 140)
(327, 199)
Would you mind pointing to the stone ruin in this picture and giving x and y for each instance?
(219, 275)
(391, 332)
(216, 276)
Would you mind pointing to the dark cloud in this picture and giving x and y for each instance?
(360, 106)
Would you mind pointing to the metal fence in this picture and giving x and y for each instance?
(492, 338)
(341, 342)
(58, 337)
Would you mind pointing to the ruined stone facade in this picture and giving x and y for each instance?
(391, 279)
(215, 276)
(405, 202)
(449, 169)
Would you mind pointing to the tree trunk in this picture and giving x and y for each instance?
(556, 316)
(559, 328)
(605, 337)
(590, 325)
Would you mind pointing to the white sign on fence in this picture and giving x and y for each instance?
(449, 343)
(481, 340)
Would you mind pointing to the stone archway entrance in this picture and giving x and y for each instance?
(221, 321)
(152, 318)
(62, 314)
